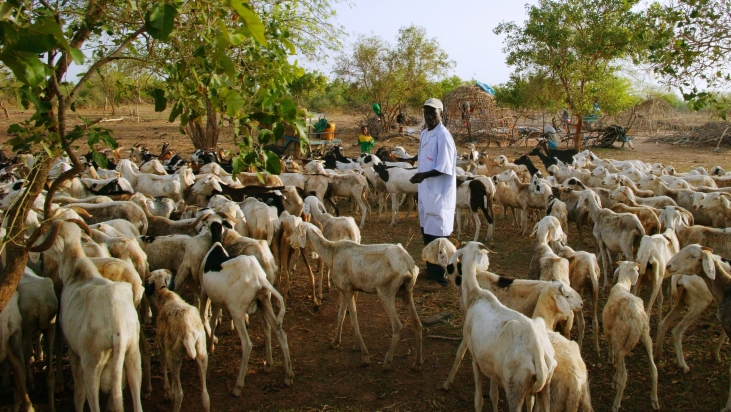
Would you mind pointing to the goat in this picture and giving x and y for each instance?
(717, 239)
(11, 348)
(474, 196)
(653, 254)
(625, 323)
(99, 321)
(179, 331)
(386, 270)
(239, 285)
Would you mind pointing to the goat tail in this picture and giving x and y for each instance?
(189, 342)
(483, 206)
(410, 281)
(644, 254)
(278, 297)
(542, 373)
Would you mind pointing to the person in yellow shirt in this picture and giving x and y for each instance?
(365, 140)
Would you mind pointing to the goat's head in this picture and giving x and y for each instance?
(59, 235)
(627, 270)
(693, 260)
(438, 252)
(158, 280)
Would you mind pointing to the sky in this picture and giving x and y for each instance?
(463, 29)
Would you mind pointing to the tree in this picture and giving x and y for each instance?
(391, 74)
(39, 40)
(238, 65)
(576, 43)
(307, 86)
(690, 45)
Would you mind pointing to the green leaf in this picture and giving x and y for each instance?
(161, 101)
(265, 136)
(250, 20)
(160, 21)
(77, 55)
(272, 165)
(175, 112)
(288, 109)
(226, 63)
(47, 149)
(278, 130)
(26, 67)
(234, 102)
(99, 158)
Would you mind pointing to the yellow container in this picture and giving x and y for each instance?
(329, 132)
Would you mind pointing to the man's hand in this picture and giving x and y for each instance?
(417, 178)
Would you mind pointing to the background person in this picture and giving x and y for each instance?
(365, 140)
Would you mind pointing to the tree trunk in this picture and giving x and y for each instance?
(579, 127)
(15, 251)
(7, 116)
(205, 138)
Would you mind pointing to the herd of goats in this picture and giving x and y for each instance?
(128, 237)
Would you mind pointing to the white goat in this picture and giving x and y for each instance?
(239, 285)
(99, 321)
(11, 348)
(386, 270)
(654, 253)
(625, 323)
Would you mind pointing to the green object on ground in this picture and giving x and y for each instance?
(321, 125)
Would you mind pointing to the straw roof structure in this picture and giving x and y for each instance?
(484, 118)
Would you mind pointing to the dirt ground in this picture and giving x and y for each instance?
(332, 379)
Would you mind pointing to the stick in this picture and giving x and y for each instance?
(443, 337)
(111, 120)
(719, 139)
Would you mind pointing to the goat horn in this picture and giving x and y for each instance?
(227, 216)
(200, 219)
(80, 211)
(50, 238)
(80, 223)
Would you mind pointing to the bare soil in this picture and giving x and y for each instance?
(334, 379)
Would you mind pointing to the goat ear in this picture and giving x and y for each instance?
(482, 260)
(442, 256)
(563, 305)
(709, 266)
(455, 257)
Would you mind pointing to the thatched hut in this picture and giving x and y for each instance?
(651, 115)
(471, 112)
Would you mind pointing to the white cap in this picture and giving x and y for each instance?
(435, 103)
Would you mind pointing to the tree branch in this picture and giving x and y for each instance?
(100, 63)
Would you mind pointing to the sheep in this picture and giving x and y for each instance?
(11, 348)
(38, 307)
(653, 254)
(179, 331)
(614, 232)
(114, 210)
(527, 198)
(353, 186)
(684, 198)
(99, 321)
(646, 214)
(570, 380)
(700, 260)
(289, 224)
(160, 206)
(510, 349)
(717, 239)
(182, 254)
(397, 181)
(517, 294)
(474, 196)
(624, 194)
(239, 285)
(384, 269)
(333, 228)
(716, 205)
(584, 274)
(557, 208)
(686, 292)
(116, 228)
(506, 198)
(625, 323)
(86, 187)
